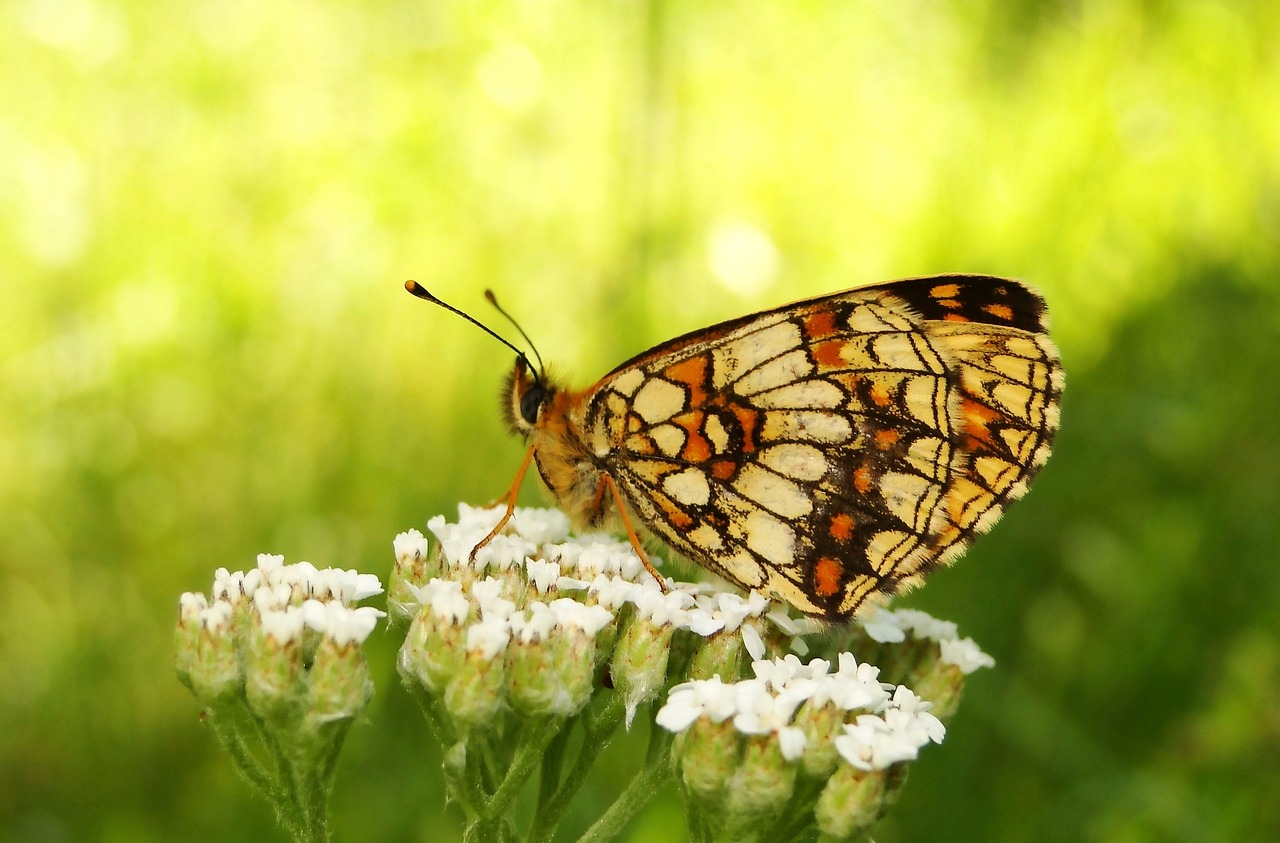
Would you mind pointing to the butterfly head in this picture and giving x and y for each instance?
(523, 397)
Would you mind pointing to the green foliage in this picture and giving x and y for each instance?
(207, 211)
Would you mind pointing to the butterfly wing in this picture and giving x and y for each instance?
(836, 448)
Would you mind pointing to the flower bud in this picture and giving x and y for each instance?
(761, 785)
(551, 661)
(432, 652)
(473, 695)
(708, 754)
(214, 671)
(186, 641)
(820, 724)
(639, 667)
(274, 677)
(340, 686)
(850, 803)
(413, 568)
(721, 654)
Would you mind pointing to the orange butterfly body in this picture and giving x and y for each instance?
(824, 453)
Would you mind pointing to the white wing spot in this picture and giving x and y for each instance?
(688, 487)
(743, 567)
(802, 462)
(750, 350)
(775, 493)
(768, 536)
(668, 438)
(813, 426)
(715, 432)
(803, 394)
(627, 382)
(659, 400)
(788, 368)
(912, 499)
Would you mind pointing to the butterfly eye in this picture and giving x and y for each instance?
(530, 402)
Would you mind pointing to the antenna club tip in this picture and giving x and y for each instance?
(490, 298)
(418, 290)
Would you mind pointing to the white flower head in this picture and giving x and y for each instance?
(883, 626)
(217, 617)
(543, 573)
(710, 698)
(925, 625)
(234, 586)
(502, 552)
(658, 608)
(533, 624)
(570, 614)
(541, 526)
(964, 654)
(763, 713)
(613, 591)
(702, 621)
(486, 594)
(342, 624)
(410, 546)
(272, 597)
(351, 586)
(284, 624)
(269, 562)
(444, 599)
(869, 744)
(191, 604)
(489, 637)
(593, 560)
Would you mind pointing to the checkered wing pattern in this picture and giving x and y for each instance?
(839, 448)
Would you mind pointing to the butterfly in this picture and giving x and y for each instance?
(825, 453)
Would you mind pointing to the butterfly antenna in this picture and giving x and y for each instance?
(493, 300)
(421, 292)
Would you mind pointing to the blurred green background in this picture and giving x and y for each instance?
(207, 211)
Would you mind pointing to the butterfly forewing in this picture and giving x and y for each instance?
(836, 448)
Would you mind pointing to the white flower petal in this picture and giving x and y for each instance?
(965, 654)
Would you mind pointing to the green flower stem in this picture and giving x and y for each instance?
(635, 796)
(598, 727)
(433, 712)
(697, 821)
(535, 735)
(299, 799)
(484, 752)
(250, 767)
(320, 746)
(796, 820)
(484, 827)
(468, 793)
(552, 764)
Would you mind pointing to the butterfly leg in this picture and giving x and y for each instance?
(606, 480)
(510, 498)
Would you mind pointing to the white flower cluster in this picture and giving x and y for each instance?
(893, 626)
(289, 598)
(603, 573)
(893, 729)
